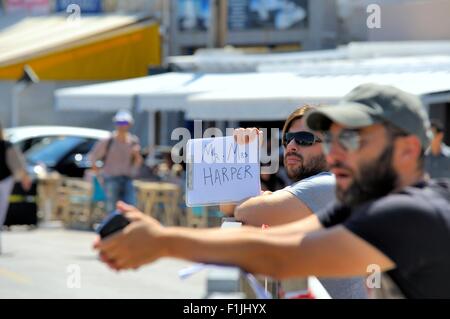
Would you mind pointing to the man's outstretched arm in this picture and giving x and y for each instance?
(279, 253)
(328, 253)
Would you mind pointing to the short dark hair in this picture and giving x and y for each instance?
(296, 115)
(437, 125)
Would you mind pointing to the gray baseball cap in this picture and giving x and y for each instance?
(370, 104)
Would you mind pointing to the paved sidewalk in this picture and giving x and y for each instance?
(45, 263)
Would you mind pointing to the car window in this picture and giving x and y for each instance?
(51, 150)
(86, 146)
(26, 144)
(81, 151)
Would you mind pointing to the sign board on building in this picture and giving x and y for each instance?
(193, 15)
(267, 14)
(86, 6)
(243, 15)
(27, 6)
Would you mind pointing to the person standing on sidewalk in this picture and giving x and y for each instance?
(12, 165)
(437, 157)
(121, 159)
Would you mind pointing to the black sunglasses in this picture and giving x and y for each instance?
(302, 138)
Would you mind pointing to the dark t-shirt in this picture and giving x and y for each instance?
(412, 228)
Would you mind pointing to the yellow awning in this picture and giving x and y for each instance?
(95, 48)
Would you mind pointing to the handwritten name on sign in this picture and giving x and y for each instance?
(221, 171)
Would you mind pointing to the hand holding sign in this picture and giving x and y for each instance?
(242, 136)
(220, 170)
(248, 135)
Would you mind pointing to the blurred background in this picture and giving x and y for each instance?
(67, 66)
(229, 63)
(111, 40)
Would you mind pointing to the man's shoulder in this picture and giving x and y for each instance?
(131, 139)
(316, 192)
(398, 201)
(134, 139)
(104, 140)
(319, 180)
(321, 176)
(410, 201)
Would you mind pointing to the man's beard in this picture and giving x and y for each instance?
(316, 164)
(377, 179)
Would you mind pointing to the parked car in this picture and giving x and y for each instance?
(26, 136)
(46, 149)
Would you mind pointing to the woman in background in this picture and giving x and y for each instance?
(12, 165)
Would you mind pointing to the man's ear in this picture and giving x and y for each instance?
(408, 149)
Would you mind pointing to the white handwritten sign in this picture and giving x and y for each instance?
(221, 171)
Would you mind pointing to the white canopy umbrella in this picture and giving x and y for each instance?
(111, 96)
(175, 97)
(242, 96)
(273, 96)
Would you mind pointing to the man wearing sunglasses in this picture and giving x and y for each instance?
(305, 164)
(388, 218)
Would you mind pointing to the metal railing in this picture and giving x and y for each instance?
(232, 282)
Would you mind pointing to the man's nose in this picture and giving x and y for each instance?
(292, 146)
(335, 152)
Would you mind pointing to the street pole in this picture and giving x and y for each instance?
(223, 23)
(212, 31)
(218, 26)
(166, 31)
(28, 77)
(18, 88)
